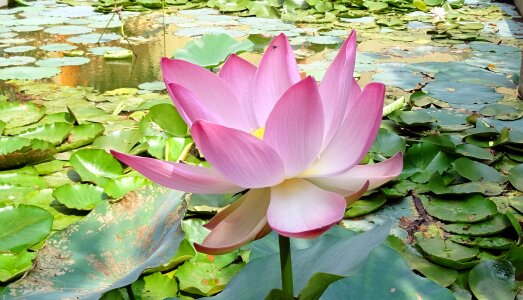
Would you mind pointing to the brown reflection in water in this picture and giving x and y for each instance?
(70, 76)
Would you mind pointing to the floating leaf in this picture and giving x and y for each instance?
(79, 196)
(212, 49)
(82, 135)
(108, 249)
(54, 133)
(12, 265)
(68, 30)
(365, 206)
(62, 61)
(445, 252)
(19, 114)
(57, 47)
(28, 73)
(471, 209)
(515, 177)
(16, 61)
(93, 38)
(493, 279)
(96, 165)
(23, 226)
(495, 242)
(163, 118)
(491, 226)
(476, 171)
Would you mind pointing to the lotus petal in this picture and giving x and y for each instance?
(277, 72)
(295, 126)
(353, 179)
(240, 226)
(237, 155)
(180, 176)
(299, 209)
(355, 135)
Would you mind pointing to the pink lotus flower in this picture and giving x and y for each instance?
(293, 144)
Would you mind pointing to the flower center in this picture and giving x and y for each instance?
(259, 133)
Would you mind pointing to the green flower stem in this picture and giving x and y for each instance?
(286, 268)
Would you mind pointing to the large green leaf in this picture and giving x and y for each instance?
(212, 49)
(12, 264)
(163, 119)
(16, 152)
(53, 133)
(79, 196)
(386, 276)
(341, 254)
(108, 249)
(476, 171)
(493, 279)
(468, 210)
(23, 226)
(96, 165)
(19, 114)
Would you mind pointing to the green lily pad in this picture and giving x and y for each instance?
(23, 226)
(117, 188)
(212, 49)
(469, 210)
(82, 135)
(494, 242)
(16, 61)
(152, 86)
(517, 203)
(15, 114)
(123, 54)
(495, 225)
(205, 279)
(16, 152)
(96, 165)
(12, 265)
(476, 171)
(438, 187)
(163, 119)
(388, 143)
(365, 206)
(28, 73)
(102, 50)
(93, 38)
(445, 252)
(515, 176)
(120, 140)
(79, 196)
(473, 151)
(68, 30)
(57, 47)
(107, 249)
(501, 111)
(62, 61)
(54, 133)
(158, 286)
(19, 49)
(493, 279)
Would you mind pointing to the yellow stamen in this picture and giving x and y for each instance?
(259, 132)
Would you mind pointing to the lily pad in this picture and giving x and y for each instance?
(95, 255)
(515, 177)
(23, 226)
(62, 61)
(17, 152)
(57, 47)
(102, 50)
(161, 119)
(54, 133)
(494, 242)
(121, 140)
(96, 165)
(501, 111)
(19, 49)
(495, 225)
(15, 114)
(16, 61)
(82, 135)
(93, 38)
(445, 252)
(79, 196)
(117, 188)
(493, 279)
(152, 86)
(469, 210)
(28, 73)
(12, 265)
(365, 206)
(68, 30)
(476, 171)
(212, 49)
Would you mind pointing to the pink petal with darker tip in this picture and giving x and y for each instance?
(349, 182)
(355, 135)
(277, 72)
(295, 126)
(245, 223)
(211, 91)
(239, 156)
(179, 176)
